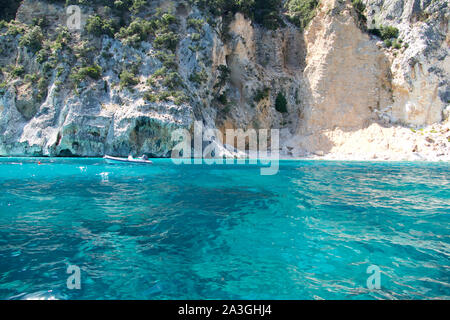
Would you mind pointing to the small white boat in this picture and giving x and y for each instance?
(130, 159)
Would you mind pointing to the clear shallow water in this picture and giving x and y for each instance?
(223, 232)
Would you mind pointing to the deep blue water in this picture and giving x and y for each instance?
(224, 231)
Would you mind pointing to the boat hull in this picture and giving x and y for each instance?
(116, 160)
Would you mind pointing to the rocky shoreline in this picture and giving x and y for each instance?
(377, 142)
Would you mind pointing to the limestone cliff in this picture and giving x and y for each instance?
(351, 80)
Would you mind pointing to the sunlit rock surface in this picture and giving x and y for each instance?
(343, 87)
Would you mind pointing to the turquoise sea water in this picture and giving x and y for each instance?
(224, 231)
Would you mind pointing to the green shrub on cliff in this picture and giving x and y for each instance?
(15, 29)
(161, 25)
(127, 79)
(178, 97)
(42, 87)
(137, 5)
(266, 13)
(31, 78)
(163, 96)
(98, 26)
(301, 12)
(261, 94)
(396, 45)
(223, 77)
(166, 19)
(94, 72)
(222, 98)
(62, 39)
(122, 6)
(32, 39)
(172, 80)
(43, 55)
(281, 103)
(198, 77)
(359, 7)
(168, 59)
(385, 32)
(150, 97)
(389, 32)
(167, 40)
(196, 24)
(17, 71)
(41, 22)
(3, 86)
(137, 31)
(3, 24)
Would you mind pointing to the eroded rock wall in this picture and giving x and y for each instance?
(347, 75)
(336, 78)
(421, 71)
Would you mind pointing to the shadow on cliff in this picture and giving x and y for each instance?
(8, 9)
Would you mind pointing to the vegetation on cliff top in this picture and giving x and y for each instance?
(301, 12)
(59, 56)
(263, 12)
(267, 13)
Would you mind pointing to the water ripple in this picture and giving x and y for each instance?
(224, 232)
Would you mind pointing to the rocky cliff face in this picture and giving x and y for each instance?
(420, 72)
(347, 75)
(360, 81)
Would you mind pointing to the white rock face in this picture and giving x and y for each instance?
(102, 119)
(421, 72)
(347, 75)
